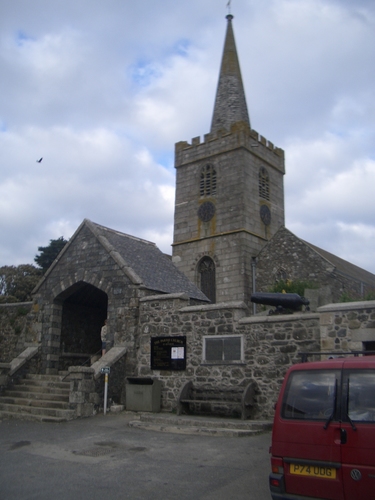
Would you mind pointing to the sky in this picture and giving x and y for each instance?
(103, 90)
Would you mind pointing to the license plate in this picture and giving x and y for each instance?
(313, 471)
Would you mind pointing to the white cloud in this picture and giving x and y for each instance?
(103, 98)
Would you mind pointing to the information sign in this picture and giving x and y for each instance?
(168, 353)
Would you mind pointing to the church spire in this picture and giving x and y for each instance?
(230, 104)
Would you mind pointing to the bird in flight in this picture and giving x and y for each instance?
(40, 160)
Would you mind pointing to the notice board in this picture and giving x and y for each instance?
(168, 353)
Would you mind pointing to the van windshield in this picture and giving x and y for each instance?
(310, 394)
(361, 395)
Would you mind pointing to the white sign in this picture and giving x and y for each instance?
(178, 353)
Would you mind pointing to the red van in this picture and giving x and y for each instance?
(323, 438)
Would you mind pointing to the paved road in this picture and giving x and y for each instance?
(102, 458)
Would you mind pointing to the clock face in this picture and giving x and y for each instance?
(206, 211)
(265, 215)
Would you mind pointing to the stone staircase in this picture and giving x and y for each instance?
(43, 398)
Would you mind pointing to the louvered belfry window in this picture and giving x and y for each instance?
(264, 184)
(207, 278)
(208, 181)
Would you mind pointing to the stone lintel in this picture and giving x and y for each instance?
(363, 335)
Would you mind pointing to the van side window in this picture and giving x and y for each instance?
(310, 395)
(361, 395)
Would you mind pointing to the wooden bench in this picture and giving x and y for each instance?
(208, 398)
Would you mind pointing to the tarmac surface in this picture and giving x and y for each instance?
(103, 458)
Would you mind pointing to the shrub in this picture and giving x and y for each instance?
(290, 286)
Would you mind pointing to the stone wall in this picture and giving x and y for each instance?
(288, 257)
(345, 327)
(235, 231)
(16, 330)
(271, 345)
(84, 288)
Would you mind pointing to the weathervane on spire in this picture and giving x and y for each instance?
(228, 6)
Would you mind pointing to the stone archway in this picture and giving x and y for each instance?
(83, 309)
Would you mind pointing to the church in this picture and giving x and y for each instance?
(229, 241)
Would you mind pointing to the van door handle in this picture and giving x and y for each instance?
(343, 436)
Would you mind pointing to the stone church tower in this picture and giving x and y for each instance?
(229, 193)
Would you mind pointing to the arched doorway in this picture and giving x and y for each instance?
(207, 278)
(83, 311)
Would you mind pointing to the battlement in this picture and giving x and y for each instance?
(240, 135)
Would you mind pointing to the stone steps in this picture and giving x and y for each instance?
(43, 398)
(31, 417)
(37, 403)
(25, 394)
(45, 389)
(41, 382)
(200, 425)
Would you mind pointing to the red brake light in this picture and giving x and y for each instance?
(275, 482)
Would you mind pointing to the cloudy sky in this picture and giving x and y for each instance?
(103, 90)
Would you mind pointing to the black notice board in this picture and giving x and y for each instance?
(168, 353)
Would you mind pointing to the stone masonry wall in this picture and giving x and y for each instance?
(235, 233)
(271, 345)
(87, 262)
(288, 257)
(16, 331)
(345, 327)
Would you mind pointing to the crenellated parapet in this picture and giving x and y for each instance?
(239, 136)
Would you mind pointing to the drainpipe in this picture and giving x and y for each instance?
(254, 267)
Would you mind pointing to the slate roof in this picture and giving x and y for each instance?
(341, 266)
(344, 267)
(146, 263)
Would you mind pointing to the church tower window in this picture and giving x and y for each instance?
(264, 184)
(207, 278)
(208, 181)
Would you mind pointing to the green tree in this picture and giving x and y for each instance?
(48, 254)
(17, 282)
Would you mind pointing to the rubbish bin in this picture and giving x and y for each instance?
(143, 394)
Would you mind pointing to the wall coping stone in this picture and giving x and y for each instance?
(347, 306)
(21, 359)
(278, 318)
(109, 359)
(165, 296)
(213, 307)
(16, 304)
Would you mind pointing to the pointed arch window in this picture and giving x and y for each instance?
(264, 184)
(207, 278)
(207, 181)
